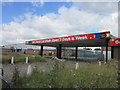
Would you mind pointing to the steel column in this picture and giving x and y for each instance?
(106, 50)
(41, 51)
(76, 52)
(112, 52)
(59, 51)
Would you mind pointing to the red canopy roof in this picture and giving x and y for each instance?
(93, 39)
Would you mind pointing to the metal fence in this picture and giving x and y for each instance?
(91, 54)
(66, 53)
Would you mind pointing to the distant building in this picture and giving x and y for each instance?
(37, 52)
(21, 46)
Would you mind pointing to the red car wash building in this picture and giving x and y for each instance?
(102, 39)
(115, 48)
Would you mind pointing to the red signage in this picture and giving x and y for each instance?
(64, 39)
(115, 42)
(69, 38)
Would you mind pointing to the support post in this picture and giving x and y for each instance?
(41, 51)
(76, 52)
(106, 50)
(112, 52)
(59, 51)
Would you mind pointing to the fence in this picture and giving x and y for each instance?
(66, 53)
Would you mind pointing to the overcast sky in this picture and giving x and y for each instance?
(35, 20)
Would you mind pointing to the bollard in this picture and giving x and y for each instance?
(12, 60)
(76, 66)
(104, 62)
(26, 60)
(29, 70)
(99, 63)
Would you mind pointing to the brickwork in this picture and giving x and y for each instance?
(104, 48)
(45, 52)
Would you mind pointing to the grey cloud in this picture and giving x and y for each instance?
(98, 7)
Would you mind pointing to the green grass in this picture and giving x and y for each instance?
(87, 76)
(18, 57)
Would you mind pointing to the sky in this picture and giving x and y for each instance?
(35, 20)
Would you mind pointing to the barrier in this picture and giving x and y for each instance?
(12, 60)
(29, 70)
(26, 60)
(76, 66)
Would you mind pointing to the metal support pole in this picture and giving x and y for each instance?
(76, 52)
(41, 51)
(112, 52)
(59, 51)
(106, 50)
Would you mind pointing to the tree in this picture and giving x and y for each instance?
(97, 49)
(87, 48)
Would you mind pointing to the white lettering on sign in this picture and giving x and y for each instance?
(66, 39)
(43, 41)
(48, 40)
(117, 42)
(78, 38)
(72, 38)
(55, 40)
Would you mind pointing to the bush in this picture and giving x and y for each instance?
(97, 49)
(89, 76)
(16, 79)
(36, 58)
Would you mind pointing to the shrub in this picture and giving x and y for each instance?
(86, 76)
(16, 80)
(36, 58)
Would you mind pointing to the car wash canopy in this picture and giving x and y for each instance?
(84, 40)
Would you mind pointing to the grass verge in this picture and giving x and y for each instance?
(88, 76)
(18, 57)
